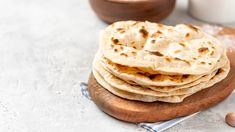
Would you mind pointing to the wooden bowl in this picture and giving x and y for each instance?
(116, 10)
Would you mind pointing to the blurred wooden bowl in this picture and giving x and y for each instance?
(116, 10)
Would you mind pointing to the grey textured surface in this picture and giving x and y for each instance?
(46, 49)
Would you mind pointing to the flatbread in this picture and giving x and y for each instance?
(150, 62)
(140, 77)
(183, 49)
(132, 96)
(122, 85)
(145, 98)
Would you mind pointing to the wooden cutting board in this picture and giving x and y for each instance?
(135, 111)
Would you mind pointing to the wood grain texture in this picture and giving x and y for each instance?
(116, 10)
(135, 111)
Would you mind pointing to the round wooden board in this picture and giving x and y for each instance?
(136, 111)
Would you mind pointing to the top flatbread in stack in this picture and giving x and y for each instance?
(152, 62)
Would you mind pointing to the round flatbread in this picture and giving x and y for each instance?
(122, 85)
(183, 49)
(139, 77)
(221, 74)
(132, 96)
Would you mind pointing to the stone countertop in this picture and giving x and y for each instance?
(46, 50)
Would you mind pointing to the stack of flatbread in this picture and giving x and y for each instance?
(153, 62)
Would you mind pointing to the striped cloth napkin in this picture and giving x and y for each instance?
(151, 127)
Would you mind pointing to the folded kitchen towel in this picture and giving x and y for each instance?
(152, 127)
